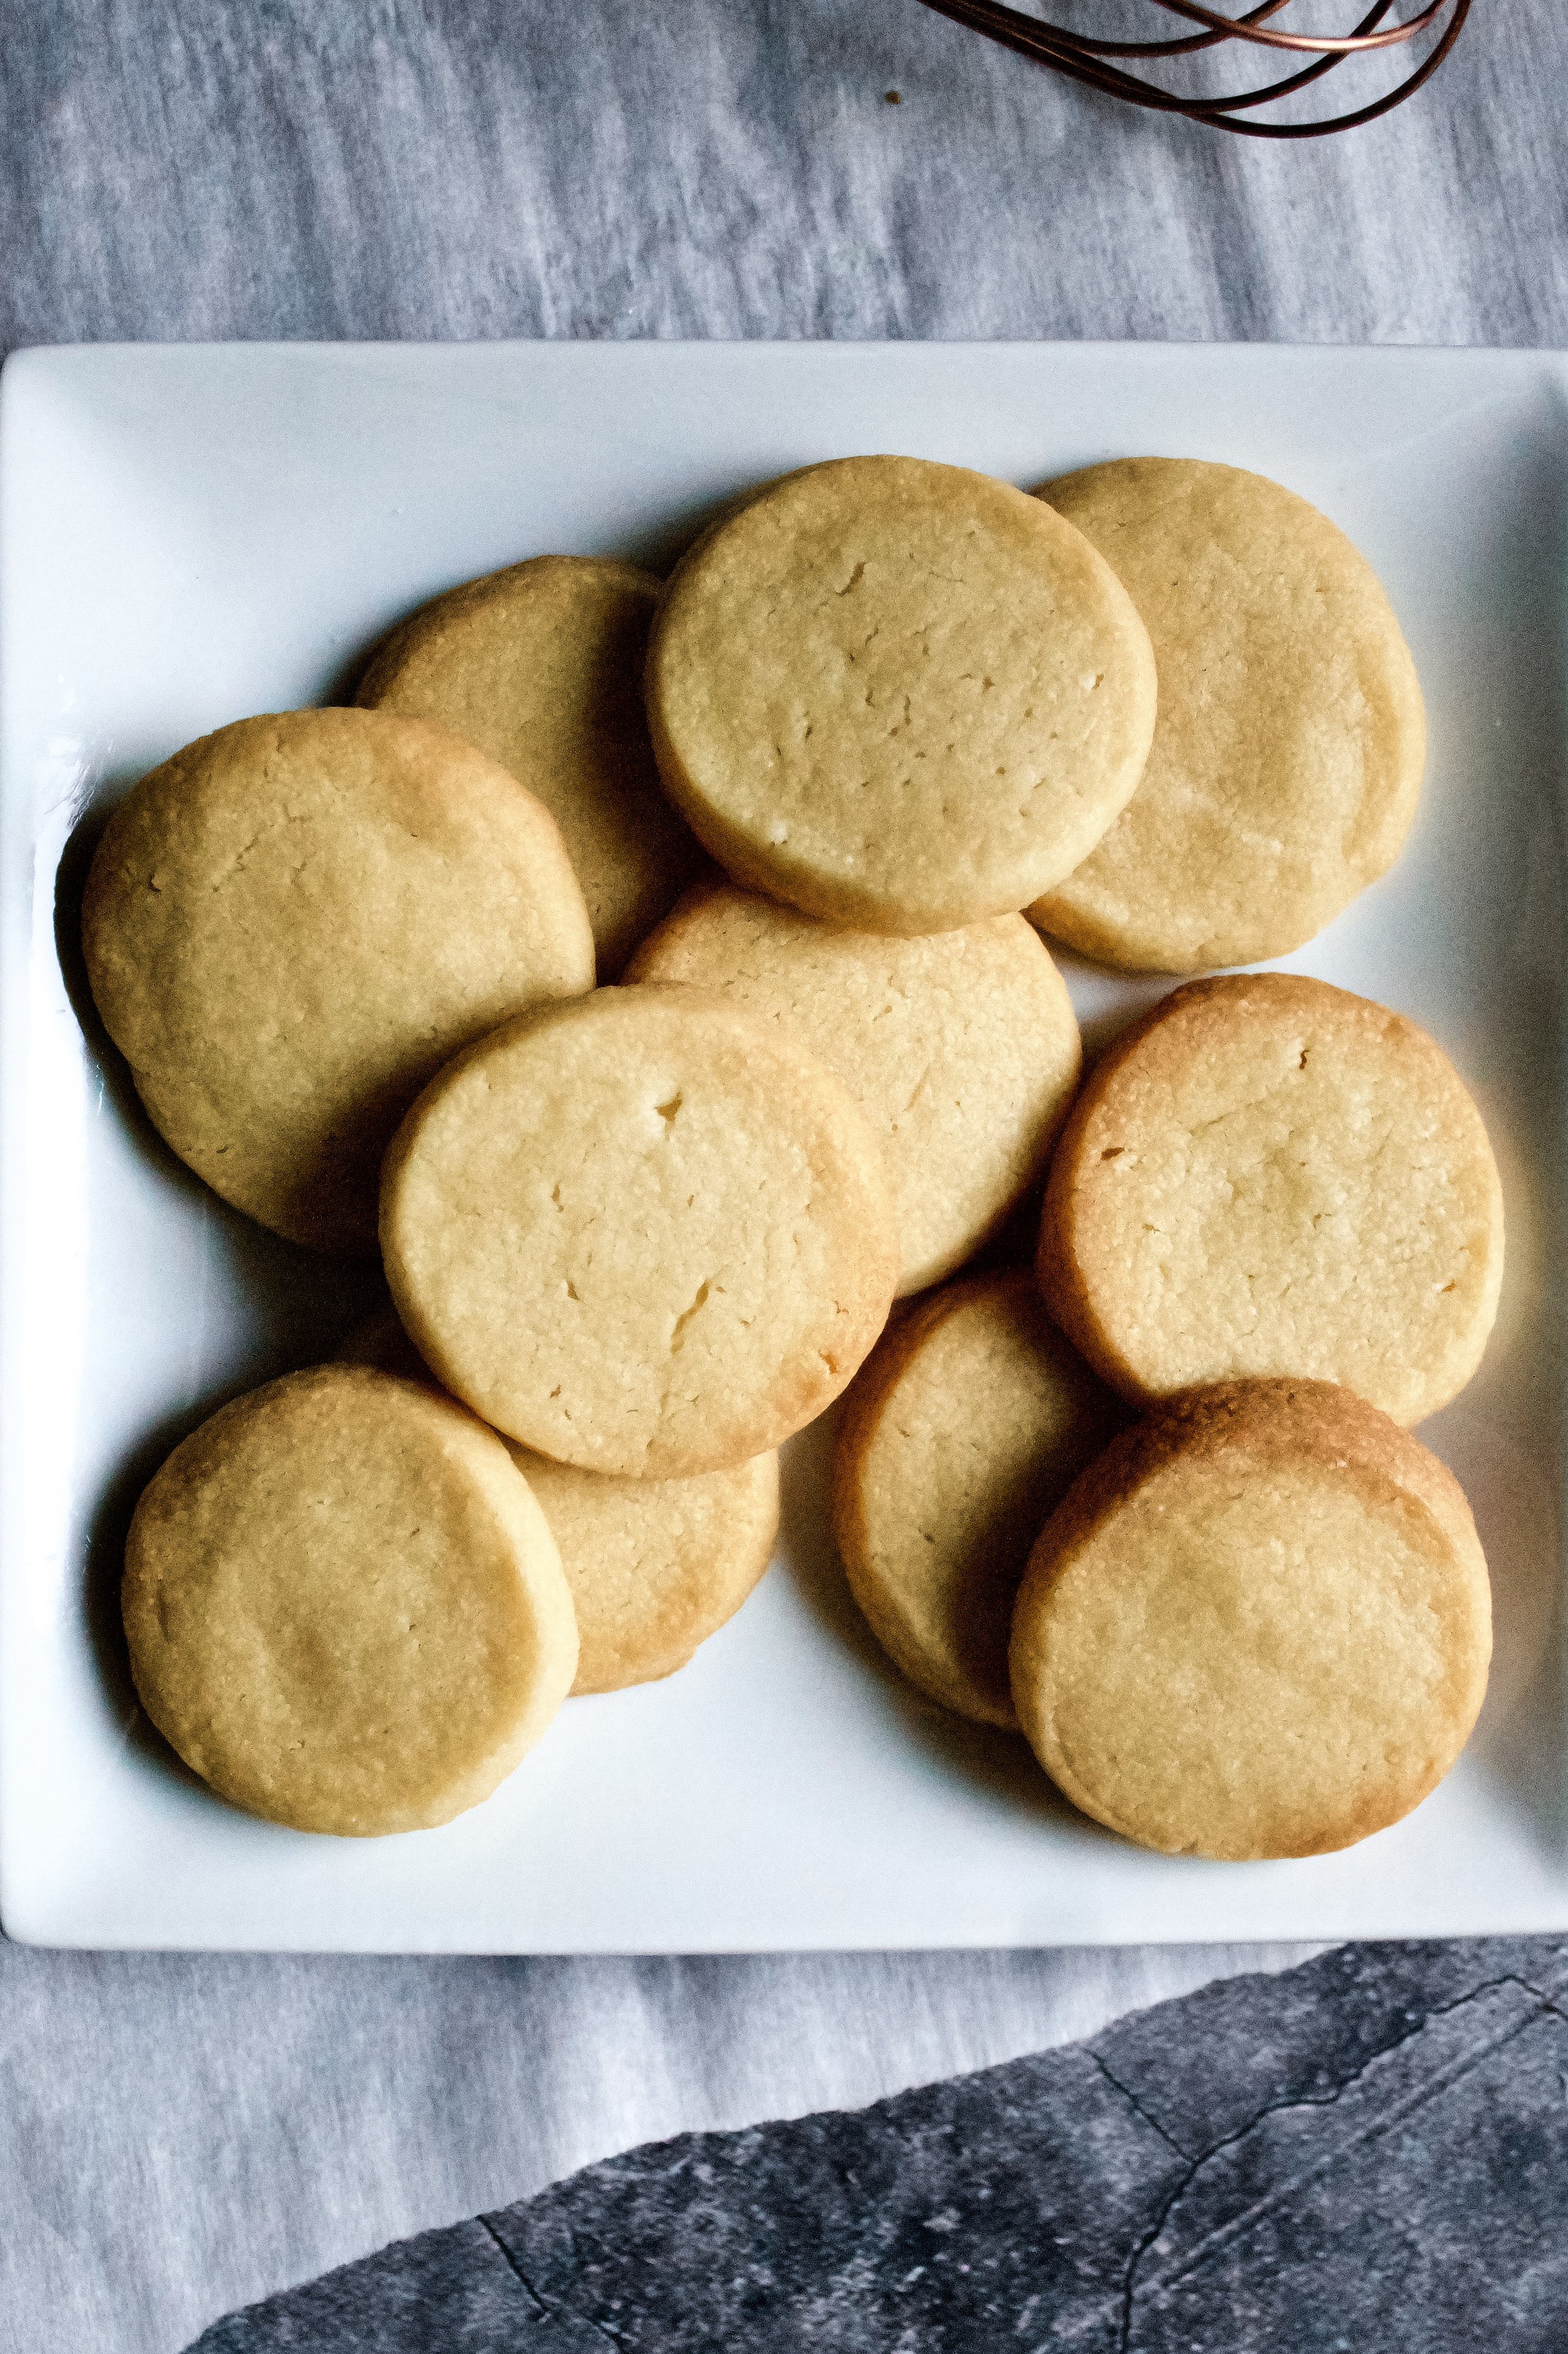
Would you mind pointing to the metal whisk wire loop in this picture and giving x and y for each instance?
(1085, 58)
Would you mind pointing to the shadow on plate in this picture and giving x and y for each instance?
(999, 1763)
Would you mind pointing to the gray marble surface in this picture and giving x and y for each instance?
(220, 168)
(185, 2134)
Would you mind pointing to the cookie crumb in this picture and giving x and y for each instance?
(892, 98)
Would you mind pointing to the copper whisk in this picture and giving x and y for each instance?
(1091, 60)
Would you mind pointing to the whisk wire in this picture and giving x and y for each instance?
(1085, 58)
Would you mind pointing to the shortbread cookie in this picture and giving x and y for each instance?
(962, 1049)
(540, 666)
(344, 1610)
(1259, 1625)
(643, 1234)
(655, 1566)
(1265, 1175)
(967, 1426)
(900, 696)
(1290, 741)
(293, 924)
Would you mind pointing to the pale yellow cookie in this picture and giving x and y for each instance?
(655, 1566)
(1259, 1625)
(961, 1048)
(540, 666)
(345, 1609)
(900, 696)
(1289, 746)
(643, 1234)
(1269, 1176)
(966, 1424)
(293, 924)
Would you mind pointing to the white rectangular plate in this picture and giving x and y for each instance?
(188, 535)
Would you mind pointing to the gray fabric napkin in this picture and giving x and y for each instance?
(1370, 2152)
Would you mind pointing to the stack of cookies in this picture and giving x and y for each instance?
(636, 1235)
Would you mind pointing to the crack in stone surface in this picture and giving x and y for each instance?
(545, 2309)
(1442, 2082)
(1132, 2098)
(1312, 2101)
(514, 2268)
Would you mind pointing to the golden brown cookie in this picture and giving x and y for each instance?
(1258, 1625)
(901, 697)
(967, 1424)
(1269, 1176)
(344, 1610)
(961, 1048)
(293, 924)
(1290, 741)
(655, 1566)
(540, 666)
(643, 1234)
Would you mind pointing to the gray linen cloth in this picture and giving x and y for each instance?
(184, 2134)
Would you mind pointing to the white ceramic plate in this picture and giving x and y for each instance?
(189, 536)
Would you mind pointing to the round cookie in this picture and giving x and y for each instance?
(344, 1610)
(1269, 1176)
(967, 1426)
(642, 1233)
(1289, 746)
(1259, 1625)
(961, 1048)
(540, 666)
(655, 1566)
(901, 697)
(293, 924)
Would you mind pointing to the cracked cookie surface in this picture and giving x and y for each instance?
(1289, 746)
(961, 1048)
(643, 1234)
(291, 924)
(900, 696)
(1258, 1625)
(345, 1609)
(1267, 1176)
